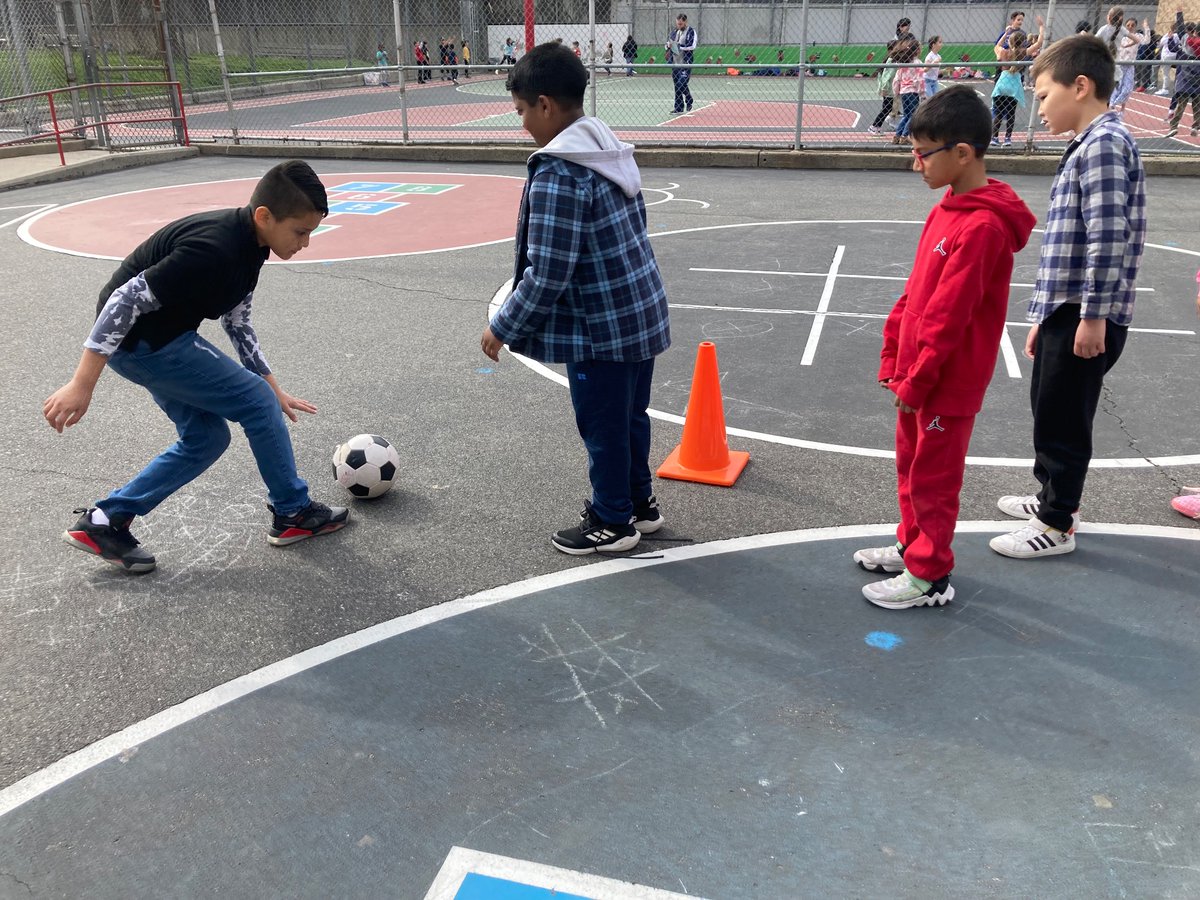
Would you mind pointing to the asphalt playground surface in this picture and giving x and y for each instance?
(723, 716)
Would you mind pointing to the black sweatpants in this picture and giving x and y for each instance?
(1064, 394)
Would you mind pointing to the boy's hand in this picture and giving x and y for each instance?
(490, 345)
(1031, 342)
(902, 406)
(288, 403)
(1089, 338)
(67, 405)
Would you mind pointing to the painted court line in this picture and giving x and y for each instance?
(475, 875)
(52, 776)
(34, 210)
(1020, 284)
(814, 335)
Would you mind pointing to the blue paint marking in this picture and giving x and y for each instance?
(485, 887)
(485, 371)
(884, 640)
(359, 208)
(366, 187)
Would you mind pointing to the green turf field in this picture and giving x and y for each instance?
(647, 98)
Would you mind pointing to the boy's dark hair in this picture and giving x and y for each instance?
(905, 21)
(1080, 54)
(290, 190)
(956, 115)
(1013, 15)
(682, 17)
(552, 70)
(1083, 25)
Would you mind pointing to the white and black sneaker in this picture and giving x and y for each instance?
(881, 559)
(593, 536)
(1026, 506)
(647, 518)
(1034, 540)
(902, 592)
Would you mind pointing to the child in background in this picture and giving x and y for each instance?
(587, 293)
(883, 84)
(466, 58)
(907, 84)
(941, 341)
(933, 65)
(1009, 92)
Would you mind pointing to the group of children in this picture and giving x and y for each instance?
(587, 293)
(903, 87)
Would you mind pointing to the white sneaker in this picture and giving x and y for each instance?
(880, 559)
(1162, 93)
(901, 593)
(1033, 540)
(1019, 507)
(874, 129)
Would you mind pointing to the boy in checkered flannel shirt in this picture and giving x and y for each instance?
(587, 292)
(1082, 303)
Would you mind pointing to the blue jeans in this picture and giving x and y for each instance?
(199, 388)
(610, 401)
(908, 106)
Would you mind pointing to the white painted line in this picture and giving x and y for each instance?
(38, 209)
(122, 741)
(818, 324)
(460, 862)
(23, 231)
(1010, 354)
(776, 312)
(1020, 284)
(1135, 462)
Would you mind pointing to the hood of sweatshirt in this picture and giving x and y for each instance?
(590, 143)
(1001, 199)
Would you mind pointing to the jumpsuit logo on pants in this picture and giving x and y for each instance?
(935, 425)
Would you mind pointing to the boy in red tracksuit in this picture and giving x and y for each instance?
(941, 341)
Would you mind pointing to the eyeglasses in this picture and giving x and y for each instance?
(928, 153)
(921, 157)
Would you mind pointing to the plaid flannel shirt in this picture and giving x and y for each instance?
(1096, 227)
(586, 284)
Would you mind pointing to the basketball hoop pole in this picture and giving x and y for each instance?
(529, 21)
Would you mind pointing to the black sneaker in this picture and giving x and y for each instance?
(593, 536)
(112, 543)
(314, 519)
(646, 516)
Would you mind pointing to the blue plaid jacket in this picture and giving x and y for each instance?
(1096, 227)
(586, 284)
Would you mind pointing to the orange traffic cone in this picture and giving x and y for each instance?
(704, 453)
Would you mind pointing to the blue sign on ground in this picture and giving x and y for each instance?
(485, 887)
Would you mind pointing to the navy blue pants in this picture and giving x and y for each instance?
(681, 77)
(610, 401)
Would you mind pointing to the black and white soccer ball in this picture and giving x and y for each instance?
(366, 465)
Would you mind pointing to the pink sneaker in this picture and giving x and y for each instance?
(1188, 505)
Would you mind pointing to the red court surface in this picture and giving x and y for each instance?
(370, 215)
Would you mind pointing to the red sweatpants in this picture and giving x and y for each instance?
(931, 454)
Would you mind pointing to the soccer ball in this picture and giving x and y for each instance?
(366, 465)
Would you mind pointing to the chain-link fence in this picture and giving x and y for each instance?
(768, 73)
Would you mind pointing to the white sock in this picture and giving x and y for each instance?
(98, 517)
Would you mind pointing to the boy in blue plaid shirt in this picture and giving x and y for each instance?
(1082, 303)
(587, 293)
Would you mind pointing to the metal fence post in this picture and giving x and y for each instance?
(68, 60)
(17, 31)
(1033, 105)
(592, 54)
(216, 24)
(399, 28)
(802, 75)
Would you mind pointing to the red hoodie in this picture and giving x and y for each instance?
(942, 337)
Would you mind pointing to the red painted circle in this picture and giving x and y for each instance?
(371, 214)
